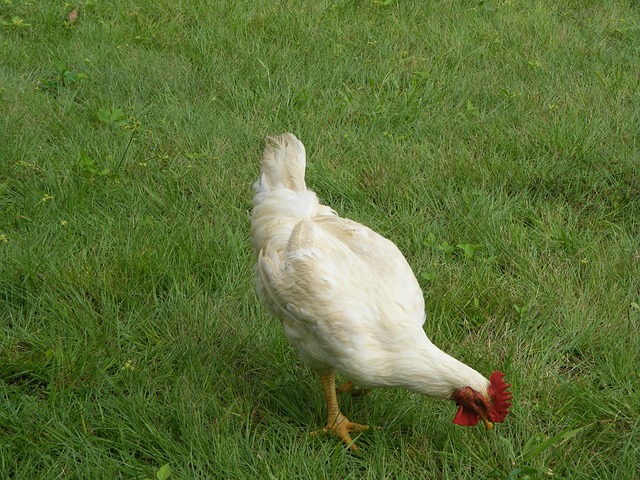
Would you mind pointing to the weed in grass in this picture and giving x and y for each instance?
(163, 473)
(445, 248)
(115, 118)
(429, 240)
(521, 310)
(469, 249)
(88, 167)
(63, 78)
(15, 23)
(429, 276)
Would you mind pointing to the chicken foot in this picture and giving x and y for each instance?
(336, 421)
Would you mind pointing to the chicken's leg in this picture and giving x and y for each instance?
(336, 421)
(347, 387)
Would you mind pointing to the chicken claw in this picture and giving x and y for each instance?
(336, 421)
(342, 427)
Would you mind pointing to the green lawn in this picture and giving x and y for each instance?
(496, 142)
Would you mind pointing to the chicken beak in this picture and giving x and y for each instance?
(487, 424)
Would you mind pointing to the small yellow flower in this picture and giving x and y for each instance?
(4, 238)
(46, 198)
(63, 222)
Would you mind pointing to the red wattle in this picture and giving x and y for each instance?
(465, 418)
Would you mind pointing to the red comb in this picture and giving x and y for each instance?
(499, 396)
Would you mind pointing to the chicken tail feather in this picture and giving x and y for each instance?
(283, 165)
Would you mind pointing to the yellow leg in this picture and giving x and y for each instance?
(336, 421)
(347, 387)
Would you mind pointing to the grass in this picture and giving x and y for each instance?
(131, 341)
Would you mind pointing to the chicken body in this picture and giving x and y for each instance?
(347, 297)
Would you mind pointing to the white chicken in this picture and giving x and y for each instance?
(349, 301)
